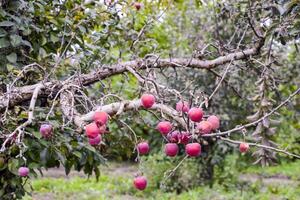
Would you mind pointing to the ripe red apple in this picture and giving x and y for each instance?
(173, 137)
(137, 5)
(184, 138)
(171, 149)
(147, 100)
(244, 147)
(100, 118)
(143, 148)
(164, 127)
(182, 106)
(193, 149)
(23, 171)
(195, 114)
(95, 141)
(215, 122)
(178, 137)
(102, 129)
(46, 130)
(92, 130)
(204, 127)
(140, 182)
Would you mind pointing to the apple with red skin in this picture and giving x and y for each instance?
(215, 122)
(137, 5)
(244, 147)
(95, 141)
(100, 118)
(173, 137)
(23, 171)
(92, 130)
(102, 129)
(195, 114)
(182, 106)
(46, 130)
(143, 148)
(177, 137)
(204, 127)
(147, 100)
(140, 182)
(171, 149)
(184, 138)
(164, 127)
(193, 149)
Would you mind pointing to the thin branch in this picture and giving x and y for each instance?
(261, 146)
(113, 108)
(255, 122)
(20, 128)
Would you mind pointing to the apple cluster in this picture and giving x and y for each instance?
(175, 137)
(97, 128)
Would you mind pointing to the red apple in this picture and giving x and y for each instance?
(215, 122)
(204, 127)
(102, 129)
(143, 148)
(23, 171)
(195, 114)
(46, 130)
(173, 137)
(140, 182)
(193, 149)
(92, 130)
(147, 100)
(171, 149)
(184, 138)
(182, 106)
(137, 5)
(164, 127)
(244, 147)
(100, 118)
(95, 141)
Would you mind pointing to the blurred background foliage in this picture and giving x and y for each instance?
(60, 39)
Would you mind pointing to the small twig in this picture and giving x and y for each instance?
(262, 146)
(20, 128)
(171, 173)
(255, 122)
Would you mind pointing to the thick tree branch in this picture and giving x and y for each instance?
(68, 109)
(18, 95)
(114, 108)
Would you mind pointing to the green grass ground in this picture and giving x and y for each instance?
(272, 183)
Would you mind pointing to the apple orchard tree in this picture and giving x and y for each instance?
(75, 75)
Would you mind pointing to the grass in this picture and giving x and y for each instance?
(117, 187)
(291, 170)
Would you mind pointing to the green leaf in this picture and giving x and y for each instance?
(61, 157)
(4, 42)
(2, 32)
(6, 23)
(15, 40)
(13, 166)
(12, 58)
(53, 38)
(42, 53)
